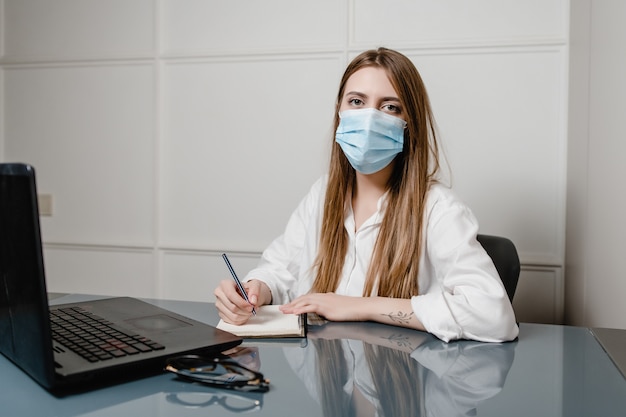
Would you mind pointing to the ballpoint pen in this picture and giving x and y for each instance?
(241, 289)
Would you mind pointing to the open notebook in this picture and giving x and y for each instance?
(269, 322)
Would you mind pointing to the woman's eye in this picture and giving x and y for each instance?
(391, 108)
(355, 101)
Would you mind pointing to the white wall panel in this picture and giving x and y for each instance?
(605, 226)
(243, 142)
(100, 271)
(577, 241)
(89, 133)
(194, 276)
(43, 29)
(2, 34)
(500, 116)
(227, 26)
(457, 22)
(539, 295)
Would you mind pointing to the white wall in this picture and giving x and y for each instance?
(596, 228)
(168, 131)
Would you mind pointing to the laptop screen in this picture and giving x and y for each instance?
(24, 338)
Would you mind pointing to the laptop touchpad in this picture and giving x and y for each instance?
(157, 322)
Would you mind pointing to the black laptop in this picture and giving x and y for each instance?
(78, 345)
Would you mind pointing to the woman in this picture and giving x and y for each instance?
(378, 238)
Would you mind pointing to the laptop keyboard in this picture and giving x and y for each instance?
(95, 338)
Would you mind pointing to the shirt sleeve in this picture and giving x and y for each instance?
(282, 261)
(464, 297)
(460, 376)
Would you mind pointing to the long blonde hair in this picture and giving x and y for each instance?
(395, 260)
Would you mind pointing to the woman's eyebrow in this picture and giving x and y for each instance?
(363, 95)
(355, 93)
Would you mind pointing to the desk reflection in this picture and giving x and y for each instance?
(369, 369)
(231, 401)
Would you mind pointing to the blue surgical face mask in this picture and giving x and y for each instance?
(370, 138)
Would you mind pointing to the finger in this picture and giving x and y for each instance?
(234, 316)
(231, 306)
(251, 291)
(299, 306)
(237, 320)
(253, 288)
(231, 292)
(224, 290)
(293, 304)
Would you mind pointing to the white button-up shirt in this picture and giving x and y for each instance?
(461, 295)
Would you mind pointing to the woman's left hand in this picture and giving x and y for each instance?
(329, 305)
(333, 307)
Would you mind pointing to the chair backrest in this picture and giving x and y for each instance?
(504, 256)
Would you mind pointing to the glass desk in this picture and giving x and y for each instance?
(346, 369)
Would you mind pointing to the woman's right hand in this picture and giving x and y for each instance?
(231, 305)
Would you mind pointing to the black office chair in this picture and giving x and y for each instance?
(504, 256)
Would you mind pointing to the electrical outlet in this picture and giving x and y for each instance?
(45, 204)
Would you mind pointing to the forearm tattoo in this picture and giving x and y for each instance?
(400, 317)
